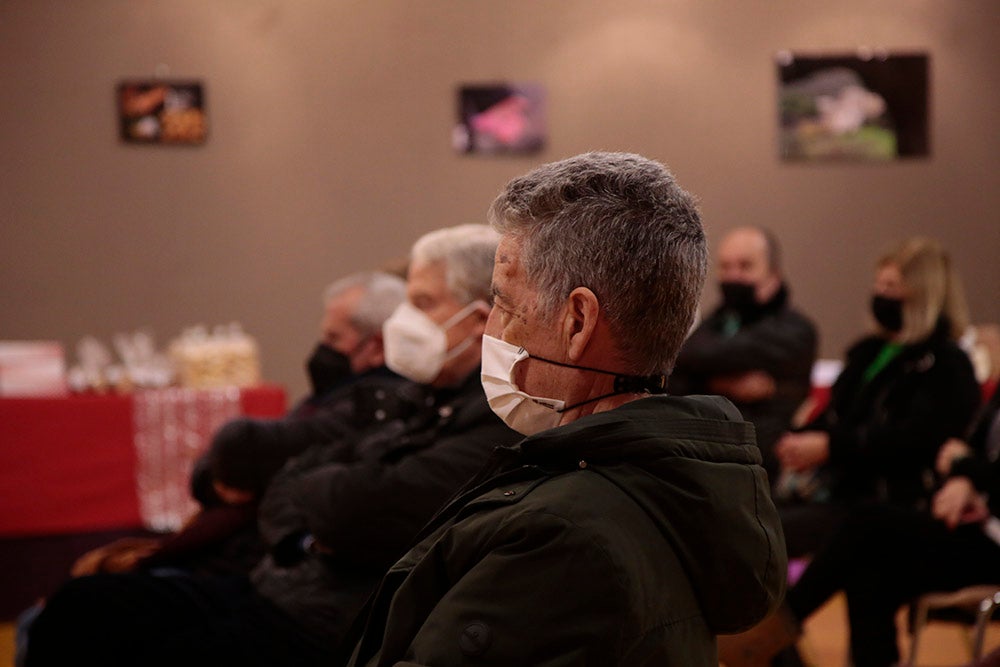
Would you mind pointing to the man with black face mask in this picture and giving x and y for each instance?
(352, 391)
(350, 346)
(754, 349)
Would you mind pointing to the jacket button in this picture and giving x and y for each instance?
(475, 639)
(582, 464)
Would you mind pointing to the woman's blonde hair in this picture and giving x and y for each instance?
(935, 290)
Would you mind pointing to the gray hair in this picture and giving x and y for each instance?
(467, 252)
(383, 292)
(620, 225)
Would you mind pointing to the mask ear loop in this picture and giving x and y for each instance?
(467, 310)
(624, 384)
(455, 319)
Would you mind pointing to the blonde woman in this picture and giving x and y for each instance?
(905, 390)
(884, 556)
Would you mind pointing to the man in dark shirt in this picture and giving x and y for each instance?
(754, 348)
(586, 543)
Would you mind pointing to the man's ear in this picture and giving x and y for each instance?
(769, 287)
(580, 321)
(374, 350)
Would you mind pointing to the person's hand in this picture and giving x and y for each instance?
(230, 494)
(802, 451)
(748, 387)
(128, 556)
(89, 563)
(119, 556)
(958, 502)
(952, 449)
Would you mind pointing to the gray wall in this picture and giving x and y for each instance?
(329, 147)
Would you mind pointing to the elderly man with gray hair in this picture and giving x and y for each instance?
(333, 518)
(628, 527)
(352, 391)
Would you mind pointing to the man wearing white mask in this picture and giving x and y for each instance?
(435, 336)
(628, 528)
(335, 517)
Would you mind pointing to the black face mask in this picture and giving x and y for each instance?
(740, 297)
(888, 312)
(327, 368)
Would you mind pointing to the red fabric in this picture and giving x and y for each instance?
(821, 398)
(988, 388)
(68, 464)
(267, 400)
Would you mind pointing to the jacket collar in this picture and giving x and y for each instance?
(470, 386)
(650, 428)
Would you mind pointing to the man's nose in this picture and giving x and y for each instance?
(730, 275)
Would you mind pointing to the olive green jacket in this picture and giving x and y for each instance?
(628, 537)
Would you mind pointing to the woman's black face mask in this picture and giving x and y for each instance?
(888, 312)
(327, 368)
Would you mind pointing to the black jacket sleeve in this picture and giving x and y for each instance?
(905, 427)
(980, 467)
(782, 345)
(371, 510)
(366, 507)
(246, 453)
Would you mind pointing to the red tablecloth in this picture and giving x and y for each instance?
(68, 464)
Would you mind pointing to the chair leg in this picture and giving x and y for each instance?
(983, 616)
(919, 621)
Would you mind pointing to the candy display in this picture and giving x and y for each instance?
(226, 357)
(198, 358)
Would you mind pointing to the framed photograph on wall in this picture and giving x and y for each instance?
(162, 112)
(868, 106)
(500, 118)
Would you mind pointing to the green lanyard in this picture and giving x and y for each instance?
(888, 352)
(730, 325)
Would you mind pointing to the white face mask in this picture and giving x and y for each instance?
(529, 414)
(416, 346)
(522, 412)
